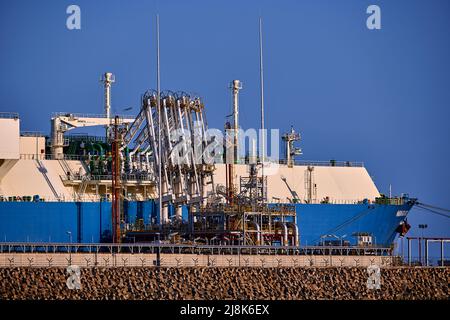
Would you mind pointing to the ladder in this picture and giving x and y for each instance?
(66, 168)
(82, 189)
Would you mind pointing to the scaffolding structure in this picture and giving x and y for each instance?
(236, 214)
(247, 219)
(243, 224)
(116, 184)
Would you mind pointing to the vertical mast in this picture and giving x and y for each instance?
(261, 74)
(116, 183)
(158, 98)
(236, 85)
(108, 79)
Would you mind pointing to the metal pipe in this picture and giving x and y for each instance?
(236, 85)
(122, 160)
(57, 138)
(261, 76)
(284, 239)
(146, 160)
(258, 232)
(252, 159)
(296, 234)
(285, 234)
(178, 212)
(420, 251)
(116, 184)
(108, 80)
(409, 251)
(130, 158)
(158, 103)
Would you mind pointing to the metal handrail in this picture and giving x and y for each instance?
(92, 198)
(9, 115)
(191, 248)
(88, 115)
(84, 137)
(33, 156)
(32, 134)
(331, 163)
(297, 163)
(315, 163)
(124, 177)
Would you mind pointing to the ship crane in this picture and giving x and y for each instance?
(63, 122)
(295, 198)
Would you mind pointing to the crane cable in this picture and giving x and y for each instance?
(433, 211)
(433, 207)
(347, 222)
(419, 205)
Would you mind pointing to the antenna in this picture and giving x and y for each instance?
(158, 97)
(261, 75)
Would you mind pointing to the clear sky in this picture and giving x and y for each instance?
(378, 96)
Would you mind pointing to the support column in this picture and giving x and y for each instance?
(420, 251)
(409, 251)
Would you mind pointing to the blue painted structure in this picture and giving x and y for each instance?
(89, 221)
(315, 220)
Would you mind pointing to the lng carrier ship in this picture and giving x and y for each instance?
(209, 188)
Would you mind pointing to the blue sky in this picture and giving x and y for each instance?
(380, 96)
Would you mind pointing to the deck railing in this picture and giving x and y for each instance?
(89, 115)
(313, 163)
(48, 247)
(124, 177)
(34, 156)
(330, 163)
(32, 134)
(9, 115)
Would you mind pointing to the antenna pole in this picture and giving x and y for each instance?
(158, 98)
(261, 74)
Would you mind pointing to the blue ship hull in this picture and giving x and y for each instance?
(89, 222)
(381, 221)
